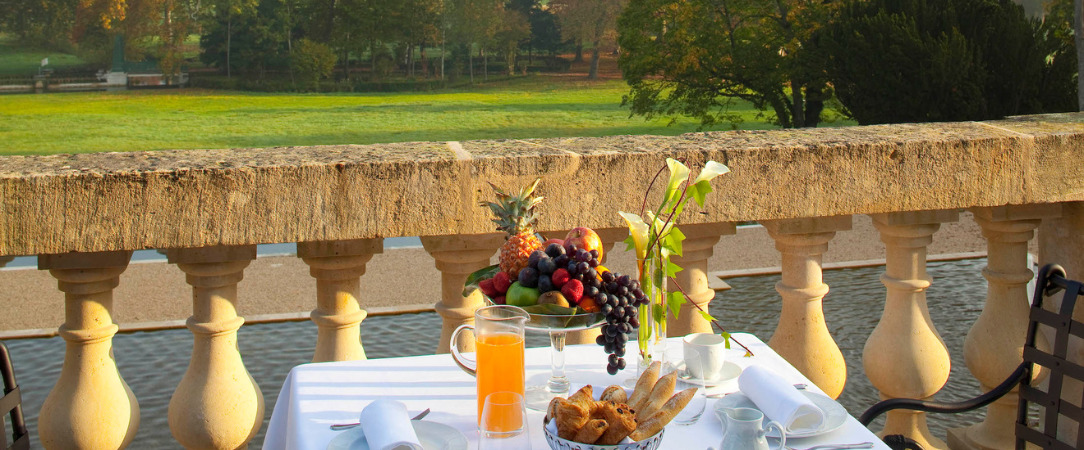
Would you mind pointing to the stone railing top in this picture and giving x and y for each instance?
(196, 198)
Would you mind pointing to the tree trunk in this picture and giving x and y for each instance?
(1078, 31)
(592, 74)
(442, 54)
(470, 62)
(229, 35)
(579, 52)
(797, 104)
(814, 104)
(485, 64)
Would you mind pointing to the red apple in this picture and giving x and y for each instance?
(546, 244)
(585, 238)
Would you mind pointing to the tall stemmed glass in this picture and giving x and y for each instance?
(558, 326)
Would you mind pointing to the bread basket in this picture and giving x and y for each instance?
(556, 443)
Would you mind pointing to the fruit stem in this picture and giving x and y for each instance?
(713, 321)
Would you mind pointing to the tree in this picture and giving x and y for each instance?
(512, 29)
(40, 23)
(246, 35)
(593, 21)
(695, 57)
(313, 61)
(913, 61)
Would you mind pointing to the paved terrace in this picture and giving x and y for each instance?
(83, 214)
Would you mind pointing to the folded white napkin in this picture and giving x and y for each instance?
(779, 400)
(387, 426)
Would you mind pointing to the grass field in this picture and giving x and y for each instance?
(528, 107)
(16, 60)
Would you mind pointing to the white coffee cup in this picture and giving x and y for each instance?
(705, 354)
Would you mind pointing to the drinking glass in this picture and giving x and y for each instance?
(694, 363)
(504, 422)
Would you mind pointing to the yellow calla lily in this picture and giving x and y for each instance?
(711, 170)
(638, 230)
(678, 173)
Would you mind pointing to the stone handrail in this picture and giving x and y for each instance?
(84, 214)
(199, 198)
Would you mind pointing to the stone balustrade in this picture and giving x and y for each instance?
(84, 214)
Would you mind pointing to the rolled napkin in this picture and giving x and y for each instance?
(387, 426)
(779, 400)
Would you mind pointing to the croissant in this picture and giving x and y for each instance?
(665, 414)
(570, 418)
(585, 397)
(590, 433)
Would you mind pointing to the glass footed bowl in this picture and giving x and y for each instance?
(546, 318)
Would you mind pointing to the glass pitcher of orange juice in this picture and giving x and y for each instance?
(498, 343)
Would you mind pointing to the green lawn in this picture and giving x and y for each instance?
(16, 60)
(177, 119)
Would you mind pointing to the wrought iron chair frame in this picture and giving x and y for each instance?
(11, 403)
(1051, 279)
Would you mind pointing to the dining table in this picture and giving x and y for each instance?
(317, 395)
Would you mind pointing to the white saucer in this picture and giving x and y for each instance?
(730, 372)
(835, 415)
(432, 436)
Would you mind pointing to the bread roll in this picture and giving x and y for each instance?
(665, 414)
(660, 393)
(590, 433)
(615, 394)
(644, 385)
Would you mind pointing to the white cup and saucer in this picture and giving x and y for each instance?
(704, 362)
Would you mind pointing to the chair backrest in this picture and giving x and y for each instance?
(11, 403)
(1068, 339)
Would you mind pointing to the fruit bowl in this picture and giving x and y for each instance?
(548, 317)
(557, 443)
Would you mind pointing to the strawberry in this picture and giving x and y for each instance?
(573, 291)
(560, 277)
(499, 300)
(501, 282)
(488, 288)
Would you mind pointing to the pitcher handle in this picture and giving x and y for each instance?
(468, 365)
(779, 428)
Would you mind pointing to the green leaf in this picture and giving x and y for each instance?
(700, 191)
(657, 275)
(706, 316)
(672, 269)
(673, 241)
(472, 280)
(632, 243)
(658, 312)
(726, 339)
(675, 301)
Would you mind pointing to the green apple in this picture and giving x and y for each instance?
(520, 295)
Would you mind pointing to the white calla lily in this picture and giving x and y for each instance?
(639, 231)
(678, 173)
(711, 170)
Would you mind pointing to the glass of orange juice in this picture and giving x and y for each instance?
(498, 342)
(503, 425)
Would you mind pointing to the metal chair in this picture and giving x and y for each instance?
(11, 403)
(1049, 403)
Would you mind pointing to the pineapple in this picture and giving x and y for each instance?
(515, 216)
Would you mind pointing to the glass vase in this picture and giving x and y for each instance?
(651, 337)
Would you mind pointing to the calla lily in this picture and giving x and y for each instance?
(711, 170)
(660, 227)
(678, 173)
(638, 230)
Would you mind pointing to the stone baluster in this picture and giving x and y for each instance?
(802, 337)
(905, 357)
(456, 257)
(697, 248)
(217, 404)
(91, 406)
(993, 347)
(337, 267)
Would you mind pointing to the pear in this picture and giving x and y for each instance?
(553, 297)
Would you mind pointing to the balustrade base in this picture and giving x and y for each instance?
(959, 439)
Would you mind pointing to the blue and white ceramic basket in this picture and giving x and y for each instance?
(556, 443)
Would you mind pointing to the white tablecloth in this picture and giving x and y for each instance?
(315, 396)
